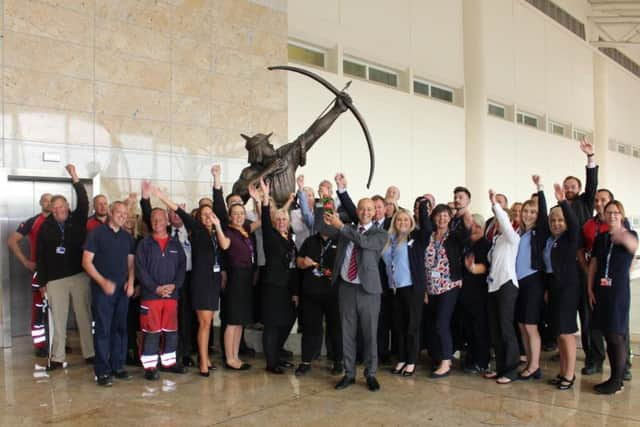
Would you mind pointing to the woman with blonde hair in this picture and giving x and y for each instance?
(403, 256)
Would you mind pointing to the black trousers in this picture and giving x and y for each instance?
(503, 335)
(406, 312)
(439, 314)
(473, 304)
(316, 310)
(186, 320)
(385, 322)
(273, 338)
(592, 338)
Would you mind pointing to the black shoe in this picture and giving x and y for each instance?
(336, 369)
(435, 375)
(187, 361)
(474, 369)
(105, 381)
(90, 360)
(285, 364)
(627, 376)
(591, 369)
(285, 354)
(123, 376)
(52, 366)
(275, 370)
(204, 374)
(536, 375)
(396, 370)
(406, 373)
(345, 382)
(175, 369)
(41, 352)
(243, 367)
(152, 374)
(549, 347)
(372, 383)
(609, 387)
(302, 369)
(566, 383)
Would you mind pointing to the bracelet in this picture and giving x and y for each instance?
(590, 155)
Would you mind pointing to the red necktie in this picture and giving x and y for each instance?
(352, 272)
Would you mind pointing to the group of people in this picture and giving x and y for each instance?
(384, 280)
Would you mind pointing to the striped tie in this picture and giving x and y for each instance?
(352, 272)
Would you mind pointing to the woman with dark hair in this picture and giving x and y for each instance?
(403, 256)
(609, 291)
(534, 231)
(279, 279)
(443, 265)
(564, 288)
(207, 243)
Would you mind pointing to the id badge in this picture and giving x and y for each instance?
(60, 250)
(292, 264)
(216, 268)
(435, 274)
(605, 281)
(316, 272)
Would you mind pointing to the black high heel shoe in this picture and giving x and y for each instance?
(566, 384)
(536, 375)
(406, 373)
(204, 374)
(398, 371)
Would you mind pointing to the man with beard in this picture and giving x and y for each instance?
(582, 205)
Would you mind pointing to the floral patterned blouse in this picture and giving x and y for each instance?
(436, 264)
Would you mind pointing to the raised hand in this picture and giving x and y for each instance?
(492, 197)
(341, 180)
(559, 192)
(300, 182)
(146, 189)
(253, 192)
(265, 188)
(333, 220)
(215, 220)
(215, 171)
(586, 147)
(71, 170)
(536, 180)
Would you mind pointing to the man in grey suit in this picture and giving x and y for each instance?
(356, 274)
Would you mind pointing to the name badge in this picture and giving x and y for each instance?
(216, 268)
(435, 274)
(316, 272)
(60, 250)
(292, 264)
(605, 281)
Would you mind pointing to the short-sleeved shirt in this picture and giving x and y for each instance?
(31, 228)
(111, 250)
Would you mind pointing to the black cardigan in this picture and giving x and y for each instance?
(454, 247)
(539, 234)
(563, 252)
(280, 253)
(205, 250)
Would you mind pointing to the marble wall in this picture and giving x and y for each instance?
(141, 89)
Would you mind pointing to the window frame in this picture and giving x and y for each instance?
(311, 48)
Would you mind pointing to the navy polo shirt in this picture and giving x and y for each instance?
(111, 251)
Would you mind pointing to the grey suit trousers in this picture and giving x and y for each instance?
(358, 307)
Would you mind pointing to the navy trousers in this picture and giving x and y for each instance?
(110, 335)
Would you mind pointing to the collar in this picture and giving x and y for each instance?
(366, 227)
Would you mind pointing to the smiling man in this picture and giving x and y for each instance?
(108, 260)
(356, 274)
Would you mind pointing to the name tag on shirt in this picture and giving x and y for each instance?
(60, 250)
(605, 281)
(216, 268)
(435, 274)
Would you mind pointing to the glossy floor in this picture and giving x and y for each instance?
(71, 398)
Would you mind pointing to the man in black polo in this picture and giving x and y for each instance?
(108, 259)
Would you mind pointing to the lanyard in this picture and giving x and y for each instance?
(214, 242)
(606, 269)
(324, 250)
(61, 227)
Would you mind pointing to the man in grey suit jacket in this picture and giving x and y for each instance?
(356, 274)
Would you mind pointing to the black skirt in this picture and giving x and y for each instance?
(563, 306)
(530, 302)
(237, 298)
(205, 294)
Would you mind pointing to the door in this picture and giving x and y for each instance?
(22, 203)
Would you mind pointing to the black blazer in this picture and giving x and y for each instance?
(539, 234)
(419, 239)
(205, 250)
(583, 206)
(454, 246)
(279, 254)
(563, 252)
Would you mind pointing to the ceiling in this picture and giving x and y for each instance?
(616, 23)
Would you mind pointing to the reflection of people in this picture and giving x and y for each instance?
(59, 260)
(609, 293)
(278, 167)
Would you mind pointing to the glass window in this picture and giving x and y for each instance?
(622, 149)
(440, 93)
(305, 55)
(421, 88)
(383, 77)
(556, 128)
(636, 152)
(579, 135)
(527, 119)
(354, 69)
(496, 110)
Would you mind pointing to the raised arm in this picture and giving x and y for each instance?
(591, 186)
(345, 199)
(542, 222)
(81, 213)
(145, 202)
(503, 219)
(573, 226)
